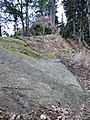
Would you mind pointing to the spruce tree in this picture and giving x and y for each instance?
(77, 20)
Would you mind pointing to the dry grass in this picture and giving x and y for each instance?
(50, 46)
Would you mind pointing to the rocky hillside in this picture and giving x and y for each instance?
(44, 78)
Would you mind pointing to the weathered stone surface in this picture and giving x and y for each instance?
(28, 81)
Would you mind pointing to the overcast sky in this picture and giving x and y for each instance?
(60, 12)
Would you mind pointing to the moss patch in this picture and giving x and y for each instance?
(29, 53)
(12, 40)
(17, 46)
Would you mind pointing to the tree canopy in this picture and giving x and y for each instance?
(23, 11)
(78, 19)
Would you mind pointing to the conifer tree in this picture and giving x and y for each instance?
(88, 4)
(77, 20)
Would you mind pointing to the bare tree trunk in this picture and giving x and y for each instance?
(74, 28)
(52, 12)
(80, 34)
(16, 23)
(0, 30)
(0, 25)
(27, 19)
(74, 22)
(22, 19)
(88, 4)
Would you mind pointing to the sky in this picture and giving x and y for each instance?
(59, 14)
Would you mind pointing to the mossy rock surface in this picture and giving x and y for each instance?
(17, 45)
(36, 81)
